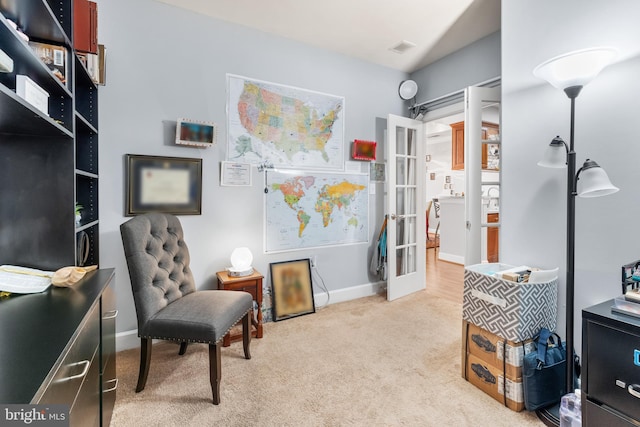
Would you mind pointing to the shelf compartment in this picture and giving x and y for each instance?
(87, 196)
(27, 63)
(86, 92)
(38, 222)
(17, 117)
(88, 245)
(37, 19)
(86, 147)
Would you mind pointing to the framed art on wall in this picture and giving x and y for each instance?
(291, 289)
(363, 150)
(163, 184)
(195, 133)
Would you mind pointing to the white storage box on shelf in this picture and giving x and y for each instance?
(515, 311)
(28, 90)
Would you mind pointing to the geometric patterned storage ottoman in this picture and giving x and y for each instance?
(514, 311)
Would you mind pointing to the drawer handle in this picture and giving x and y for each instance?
(633, 390)
(81, 374)
(112, 388)
(110, 315)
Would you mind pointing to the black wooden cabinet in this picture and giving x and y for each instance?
(611, 367)
(57, 346)
(48, 160)
(60, 349)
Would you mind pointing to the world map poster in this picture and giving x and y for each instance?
(285, 126)
(311, 209)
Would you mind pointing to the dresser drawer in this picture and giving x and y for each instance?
(613, 366)
(86, 410)
(598, 416)
(76, 363)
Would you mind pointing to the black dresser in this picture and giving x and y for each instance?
(611, 367)
(58, 347)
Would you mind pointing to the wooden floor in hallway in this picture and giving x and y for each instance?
(444, 279)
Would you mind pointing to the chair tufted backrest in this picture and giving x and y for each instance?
(158, 262)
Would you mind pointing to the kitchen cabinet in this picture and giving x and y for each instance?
(492, 237)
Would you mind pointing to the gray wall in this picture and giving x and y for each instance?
(164, 63)
(533, 112)
(473, 64)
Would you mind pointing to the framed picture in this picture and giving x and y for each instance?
(376, 172)
(291, 289)
(363, 150)
(195, 133)
(163, 184)
(235, 174)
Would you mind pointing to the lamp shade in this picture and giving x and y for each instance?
(594, 181)
(556, 154)
(241, 259)
(575, 68)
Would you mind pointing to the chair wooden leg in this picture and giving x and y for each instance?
(246, 334)
(183, 348)
(145, 360)
(214, 371)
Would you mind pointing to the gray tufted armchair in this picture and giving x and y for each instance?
(167, 304)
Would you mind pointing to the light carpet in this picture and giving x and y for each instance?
(366, 362)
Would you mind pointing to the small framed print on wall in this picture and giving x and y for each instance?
(363, 150)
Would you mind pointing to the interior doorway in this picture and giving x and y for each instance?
(446, 184)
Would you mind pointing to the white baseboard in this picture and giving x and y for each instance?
(129, 339)
(450, 257)
(348, 294)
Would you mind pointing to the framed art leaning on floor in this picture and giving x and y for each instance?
(291, 289)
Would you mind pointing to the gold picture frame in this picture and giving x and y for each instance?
(291, 289)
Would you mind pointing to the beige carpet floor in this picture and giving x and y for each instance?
(366, 362)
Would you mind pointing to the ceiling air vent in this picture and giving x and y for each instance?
(402, 47)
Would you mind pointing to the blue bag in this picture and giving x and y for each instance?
(544, 372)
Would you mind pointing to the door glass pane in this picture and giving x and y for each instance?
(400, 202)
(400, 140)
(411, 171)
(400, 260)
(411, 235)
(410, 206)
(400, 232)
(400, 172)
(412, 138)
(410, 262)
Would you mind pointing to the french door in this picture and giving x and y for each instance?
(406, 228)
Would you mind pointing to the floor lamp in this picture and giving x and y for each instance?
(570, 72)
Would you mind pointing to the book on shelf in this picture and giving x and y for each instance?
(54, 57)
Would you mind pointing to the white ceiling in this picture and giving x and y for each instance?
(365, 29)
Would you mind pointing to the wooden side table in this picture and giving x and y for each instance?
(251, 284)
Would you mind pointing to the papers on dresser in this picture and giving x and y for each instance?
(23, 280)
